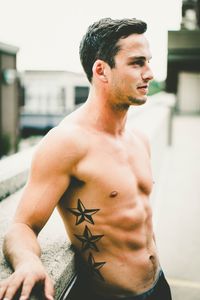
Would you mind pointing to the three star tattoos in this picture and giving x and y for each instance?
(87, 239)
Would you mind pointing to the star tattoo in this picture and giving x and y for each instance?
(94, 266)
(82, 213)
(88, 240)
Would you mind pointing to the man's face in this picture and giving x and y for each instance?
(129, 79)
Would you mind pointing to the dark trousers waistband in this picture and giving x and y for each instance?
(159, 291)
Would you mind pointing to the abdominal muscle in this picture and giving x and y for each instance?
(127, 271)
(131, 262)
(125, 260)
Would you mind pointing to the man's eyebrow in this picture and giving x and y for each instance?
(139, 57)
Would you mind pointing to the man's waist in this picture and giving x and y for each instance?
(116, 292)
(117, 277)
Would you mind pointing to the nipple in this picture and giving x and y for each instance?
(113, 194)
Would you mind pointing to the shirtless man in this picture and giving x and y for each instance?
(97, 172)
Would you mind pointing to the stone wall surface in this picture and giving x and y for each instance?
(14, 172)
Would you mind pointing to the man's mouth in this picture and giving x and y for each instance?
(143, 88)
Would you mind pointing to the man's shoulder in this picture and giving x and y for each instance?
(65, 140)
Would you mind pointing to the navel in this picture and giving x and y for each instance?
(113, 194)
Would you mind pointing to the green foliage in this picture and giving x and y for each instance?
(156, 87)
(5, 144)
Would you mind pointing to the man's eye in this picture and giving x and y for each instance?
(139, 62)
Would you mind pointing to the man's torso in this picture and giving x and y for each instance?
(107, 213)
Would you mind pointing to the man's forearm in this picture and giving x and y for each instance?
(22, 250)
(21, 245)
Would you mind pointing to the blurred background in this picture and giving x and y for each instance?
(41, 76)
(41, 81)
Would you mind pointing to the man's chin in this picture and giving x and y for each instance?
(137, 101)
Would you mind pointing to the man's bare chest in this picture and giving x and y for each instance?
(116, 166)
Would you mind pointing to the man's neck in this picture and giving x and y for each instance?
(106, 116)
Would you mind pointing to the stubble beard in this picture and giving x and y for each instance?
(132, 101)
(137, 101)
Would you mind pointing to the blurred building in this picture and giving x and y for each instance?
(48, 97)
(183, 75)
(9, 100)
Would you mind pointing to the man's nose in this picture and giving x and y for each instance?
(147, 74)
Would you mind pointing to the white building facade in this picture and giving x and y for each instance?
(50, 95)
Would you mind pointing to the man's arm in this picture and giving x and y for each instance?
(22, 251)
(49, 178)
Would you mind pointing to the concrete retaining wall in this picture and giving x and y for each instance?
(14, 171)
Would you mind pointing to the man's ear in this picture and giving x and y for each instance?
(99, 70)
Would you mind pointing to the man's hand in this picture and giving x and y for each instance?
(26, 277)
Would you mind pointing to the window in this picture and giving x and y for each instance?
(81, 94)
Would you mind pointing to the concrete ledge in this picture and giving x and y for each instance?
(14, 172)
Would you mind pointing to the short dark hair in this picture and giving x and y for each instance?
(100, 40)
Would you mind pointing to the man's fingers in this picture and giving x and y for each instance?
(48, 288)
(10, 286)
(27, 288)
(2, 290)
(9, 289)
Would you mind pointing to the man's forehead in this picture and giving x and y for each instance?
(136, 43)
(141, 57)
(134, 38)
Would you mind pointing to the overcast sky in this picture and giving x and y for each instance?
(48, 32)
